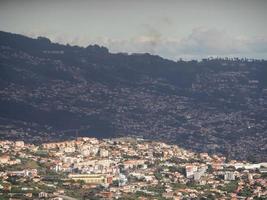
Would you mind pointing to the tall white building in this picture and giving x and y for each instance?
(229, 176)
(103, 153)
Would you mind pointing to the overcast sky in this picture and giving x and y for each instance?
(170, 28)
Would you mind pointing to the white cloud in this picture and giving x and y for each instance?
(201, 42)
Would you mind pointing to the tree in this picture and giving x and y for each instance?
(210, 169)
(230, 187)
(158, 175)
(246, 192)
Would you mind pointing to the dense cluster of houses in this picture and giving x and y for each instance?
(124, 168)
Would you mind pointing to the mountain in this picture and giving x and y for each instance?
(50, 91)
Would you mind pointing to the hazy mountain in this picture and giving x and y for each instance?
(49, 91)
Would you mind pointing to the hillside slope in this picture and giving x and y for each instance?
(49, 91)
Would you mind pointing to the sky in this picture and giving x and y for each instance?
(174, 29)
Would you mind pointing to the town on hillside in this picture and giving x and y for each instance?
(123, 168)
